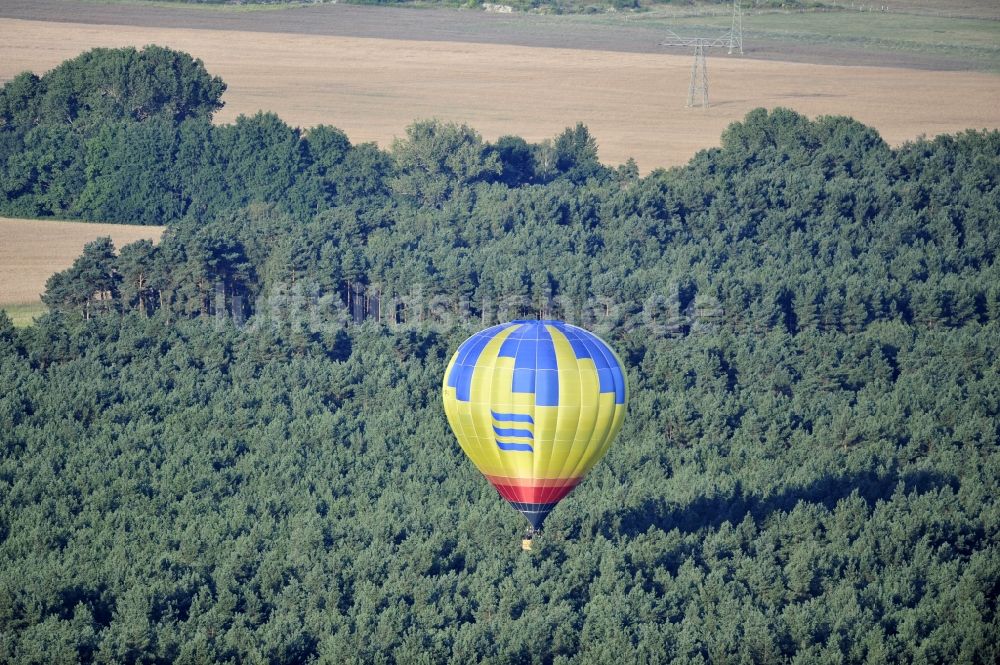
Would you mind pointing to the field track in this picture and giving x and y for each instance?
(31, 250)
(632, 102)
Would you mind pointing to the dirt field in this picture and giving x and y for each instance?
(31, 250)
(632, 102)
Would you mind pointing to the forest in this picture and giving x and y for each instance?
(230, 446)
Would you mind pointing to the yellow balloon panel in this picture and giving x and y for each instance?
(535, 404)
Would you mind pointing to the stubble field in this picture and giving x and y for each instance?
(633, 103)
(31, 250)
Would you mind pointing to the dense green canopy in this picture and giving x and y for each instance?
(229, 447)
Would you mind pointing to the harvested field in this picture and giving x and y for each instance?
(632, 102)
(32, 250)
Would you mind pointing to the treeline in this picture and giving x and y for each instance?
(126, 135)
(782, 227)
(229, 447)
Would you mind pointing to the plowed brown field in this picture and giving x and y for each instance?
(633, 103)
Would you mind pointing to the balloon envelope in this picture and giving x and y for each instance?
(535, 404)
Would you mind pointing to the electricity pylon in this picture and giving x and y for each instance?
(736, 29)
(699, 84)
(699, 69)
(733, 40)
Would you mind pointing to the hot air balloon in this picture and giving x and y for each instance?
(535, 405)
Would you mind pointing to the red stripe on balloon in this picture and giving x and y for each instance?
(534, 482)
(547, 490)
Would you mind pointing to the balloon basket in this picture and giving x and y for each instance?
(526, 540)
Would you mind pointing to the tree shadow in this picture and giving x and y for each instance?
(711, 512)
